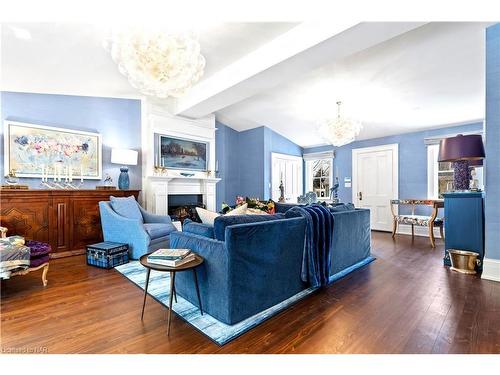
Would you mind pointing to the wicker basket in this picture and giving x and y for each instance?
(464, 261)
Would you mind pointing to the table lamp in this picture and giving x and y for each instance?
(461, 151)
(123, 157)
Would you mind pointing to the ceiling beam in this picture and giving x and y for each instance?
(298, 51)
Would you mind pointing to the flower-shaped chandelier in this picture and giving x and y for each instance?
(157, 63)
(339, 131)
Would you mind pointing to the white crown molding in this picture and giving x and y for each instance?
(491, 269)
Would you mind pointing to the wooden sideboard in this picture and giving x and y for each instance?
(67, 219)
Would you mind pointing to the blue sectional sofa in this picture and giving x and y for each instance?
(253, 262)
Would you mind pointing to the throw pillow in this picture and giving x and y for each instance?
(241, 210)
(206, 217)
(256, 211)
(126, 207)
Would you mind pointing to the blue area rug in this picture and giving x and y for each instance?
(217, 331)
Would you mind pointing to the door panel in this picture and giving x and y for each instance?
(376, 183)
(289, 169)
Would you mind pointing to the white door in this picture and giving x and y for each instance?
(288, 169)
(375, 182)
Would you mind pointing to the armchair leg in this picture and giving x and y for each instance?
(431, 234)
(44, 274)
(394, 228)
(441, 232)
(412, 231)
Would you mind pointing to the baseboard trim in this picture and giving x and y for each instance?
(419, 231)
(491, 269)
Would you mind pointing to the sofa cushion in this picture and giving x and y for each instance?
(284, 207)
(126, 207)
(222, 222)
(157, 230)
(200, 229)
(341, 207)
(206, 216)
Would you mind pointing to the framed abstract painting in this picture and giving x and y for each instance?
(179, 153)
(37, 150)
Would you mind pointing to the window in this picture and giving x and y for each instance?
(440, 174)
(319, 177)
(321, 171)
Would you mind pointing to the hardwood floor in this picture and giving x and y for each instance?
(404, 302)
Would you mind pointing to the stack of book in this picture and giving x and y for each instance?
(171, 257)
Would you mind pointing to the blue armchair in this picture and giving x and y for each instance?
(124, 220)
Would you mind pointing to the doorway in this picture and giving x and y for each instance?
(286, 168)
(375, 182)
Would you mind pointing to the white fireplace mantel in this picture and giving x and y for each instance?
(160, 187)
(157, 188)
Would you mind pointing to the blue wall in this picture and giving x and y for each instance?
(245, 161)
(274, 142)
(226, 144)
(412, 159)
(492, 203)
(117, 120)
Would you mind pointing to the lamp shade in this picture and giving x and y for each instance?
(123, 156)
(461, 147)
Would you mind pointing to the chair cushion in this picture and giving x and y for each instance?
(420, 220)
(157, 230)
(126, 207)
(38, 248)
(222, 222)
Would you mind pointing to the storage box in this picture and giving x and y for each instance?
(107, 254)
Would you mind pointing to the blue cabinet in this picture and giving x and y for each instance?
(464, 223)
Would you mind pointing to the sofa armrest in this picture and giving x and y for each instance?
(213, 274)
(351, 238)
(150, 218)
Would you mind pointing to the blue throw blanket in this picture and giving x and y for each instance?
(316, 263)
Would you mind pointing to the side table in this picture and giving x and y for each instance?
(173, 270)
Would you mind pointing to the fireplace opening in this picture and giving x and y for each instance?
(183, 206)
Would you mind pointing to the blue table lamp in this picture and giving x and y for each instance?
(123, 157)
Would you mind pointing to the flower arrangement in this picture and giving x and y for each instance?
(254, 205)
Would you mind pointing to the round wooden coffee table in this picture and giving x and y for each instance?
(173, 270)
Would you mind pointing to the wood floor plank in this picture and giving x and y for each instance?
(404, 302)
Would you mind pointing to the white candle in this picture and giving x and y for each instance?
(216, 165)
(43, 171)
(81, 174)
(70, 173)
(55, 171)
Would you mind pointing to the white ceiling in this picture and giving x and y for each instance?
(69, 58)
(393, 77)
(425, 78)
